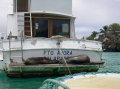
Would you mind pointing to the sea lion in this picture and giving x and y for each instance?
(39, 60)
(78, 59)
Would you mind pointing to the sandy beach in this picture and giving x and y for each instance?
(94, 83)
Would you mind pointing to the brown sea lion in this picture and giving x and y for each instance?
(39, 60)
(78, 59)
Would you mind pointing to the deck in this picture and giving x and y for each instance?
(21, 70)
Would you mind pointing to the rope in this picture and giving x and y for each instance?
(53, 84)
(65, 61)
(58, 44)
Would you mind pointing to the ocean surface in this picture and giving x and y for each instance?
(112, 65)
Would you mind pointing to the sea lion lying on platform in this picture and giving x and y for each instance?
(78, 59)
(39, 60)
(81, 59)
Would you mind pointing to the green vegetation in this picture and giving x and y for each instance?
(92, 36)
(109, 35)
(114, 28)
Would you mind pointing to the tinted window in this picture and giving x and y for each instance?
(61, 27)
(41, 28)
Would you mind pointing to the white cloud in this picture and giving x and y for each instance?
(84, 31)
(90, 14)
(95, 13)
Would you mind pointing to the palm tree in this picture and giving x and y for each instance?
(92, 36)
(104, 29)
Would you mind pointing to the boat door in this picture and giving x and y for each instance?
(41, 28)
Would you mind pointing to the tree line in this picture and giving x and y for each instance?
(109, 35)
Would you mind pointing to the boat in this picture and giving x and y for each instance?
(41, 41)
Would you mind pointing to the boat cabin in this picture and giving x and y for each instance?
(41, 18)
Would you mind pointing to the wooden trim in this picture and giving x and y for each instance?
(48, 18)
(50, 31)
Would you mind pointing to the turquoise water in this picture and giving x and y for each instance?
(20, 83)
(112, 64)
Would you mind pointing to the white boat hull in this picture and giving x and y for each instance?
(15, 51)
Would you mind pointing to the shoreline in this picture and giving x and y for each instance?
(94, 81)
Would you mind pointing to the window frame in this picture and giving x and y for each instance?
(23, 8)
(62, 29)
(50, 24)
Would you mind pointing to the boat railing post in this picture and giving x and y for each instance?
(22, 48)
(10, 47)
(30, 17)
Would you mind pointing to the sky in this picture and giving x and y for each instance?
(90, 15)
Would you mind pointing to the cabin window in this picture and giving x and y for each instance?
(61, 27)
(22, 5)
(41, 28)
